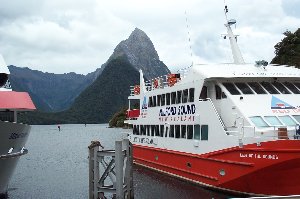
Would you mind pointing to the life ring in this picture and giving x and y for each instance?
(155, 83)
(137, 89)
(172, 79)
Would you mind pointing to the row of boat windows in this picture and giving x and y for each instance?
(262, 88)
(176, 97)
(268, 121)
(7, 116)
(197, 132)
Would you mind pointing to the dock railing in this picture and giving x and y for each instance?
(115, 164)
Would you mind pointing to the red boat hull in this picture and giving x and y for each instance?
(273, 168)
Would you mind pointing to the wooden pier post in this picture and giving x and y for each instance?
(119, 170)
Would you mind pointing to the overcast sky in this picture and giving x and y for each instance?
(61, 36)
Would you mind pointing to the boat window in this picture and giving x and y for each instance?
(203, 94)
(154, 101)
(148, 130)
(287, 120)
(171, 133)
(163, 99)
(156, 130)
(7, 116)
(166, 132)
(297, 84)
(168, 99)
(218, 92)
(134, 130)
(183, 131)
(177, 131)
(179, 95)
(269, 88)
(150, 102)
(281, 88)
(258, 121)
(161, 132)
(173, 97)
(292, 87)
(191, 94)
(152, 130)
(3, 79)
(231, 88)
(189, 131)
(257, 88)
(223, 95)
(273, 120)
(197, 132)
(204, 132)
(158, 100)
(244, 88)
(297, 117)
(143, 130)
(185, 96)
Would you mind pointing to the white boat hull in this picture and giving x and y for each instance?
(12, 135)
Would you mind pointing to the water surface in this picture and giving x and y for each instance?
(57, 167)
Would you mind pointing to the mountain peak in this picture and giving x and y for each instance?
(138, 33)
(140, 52)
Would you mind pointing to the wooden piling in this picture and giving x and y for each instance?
(119, 170)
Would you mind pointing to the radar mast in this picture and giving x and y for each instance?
(236, 53)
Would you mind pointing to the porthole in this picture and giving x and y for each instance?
(222, 172)
(189, 165)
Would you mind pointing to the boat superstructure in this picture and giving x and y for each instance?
(13, 135)
(233, 127)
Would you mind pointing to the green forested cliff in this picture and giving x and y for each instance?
(97, 104)
(287, 51)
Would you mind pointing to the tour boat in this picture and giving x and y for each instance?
(13, 135)
(232, 127)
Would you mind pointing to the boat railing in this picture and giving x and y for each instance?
(272, 132)
(23, 151)
(214, 108)
(157, 83)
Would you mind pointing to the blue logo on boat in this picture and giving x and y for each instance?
(279, 104)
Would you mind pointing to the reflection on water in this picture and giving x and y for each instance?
(57, 167)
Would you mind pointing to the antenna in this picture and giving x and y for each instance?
(236, 53)
(189, 37)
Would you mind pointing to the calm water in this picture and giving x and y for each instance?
(57, 167)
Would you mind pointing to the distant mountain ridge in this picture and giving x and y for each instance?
(49, 91)
(110, 89)
(57, 92)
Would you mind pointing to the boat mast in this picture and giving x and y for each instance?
(236, 53)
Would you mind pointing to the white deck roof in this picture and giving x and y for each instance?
(245, 70)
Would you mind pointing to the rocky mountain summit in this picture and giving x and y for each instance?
(141, 54)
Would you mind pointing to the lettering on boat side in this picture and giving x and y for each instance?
(143, 140)
(188, 109)
(14, 136)
(259, 156)
(264, 74)
(177, 113)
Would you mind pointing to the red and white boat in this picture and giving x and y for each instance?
(13, 135)
(233, 127)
